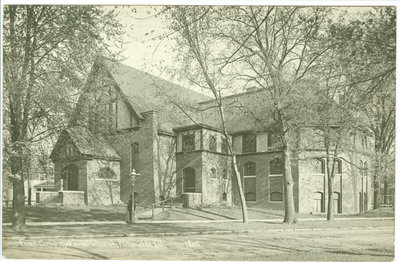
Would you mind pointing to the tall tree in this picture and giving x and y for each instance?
(275, 53)
(47, 52)
(366, 46)
(193, 26)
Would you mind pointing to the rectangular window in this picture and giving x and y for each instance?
(188, 142)
(276, 188)
(212, 143)
(249, 143)
(135, 157)
(224, 145)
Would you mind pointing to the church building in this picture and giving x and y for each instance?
(127, 122)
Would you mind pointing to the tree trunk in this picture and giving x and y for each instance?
(18, 216)
(377, 191)
(240, 188)
(330, 213)
(385, 192)
(290, 214)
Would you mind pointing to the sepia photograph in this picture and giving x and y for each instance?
(198, 132)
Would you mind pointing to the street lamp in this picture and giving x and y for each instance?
(131, 202)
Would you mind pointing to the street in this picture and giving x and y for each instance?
(321, 245)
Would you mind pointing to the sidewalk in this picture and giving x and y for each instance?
(178, 228)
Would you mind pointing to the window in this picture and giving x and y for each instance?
(275, 166)
(224, 145)
(107, 173)
(318, 166)
(188, 142)
(318, 205)
(250, 181)
(249, 143)
(225, 174)
(250, 169)
(135, 157)
(276, 180)
(276, 188)
(224, 196)
(365, 169)
(273, 140)
(338, 166)
(189, 180)
(212, 143)
(213, 174)
(337, 205)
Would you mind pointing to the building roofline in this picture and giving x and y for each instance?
(196, 126)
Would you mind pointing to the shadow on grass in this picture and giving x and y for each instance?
(353, 253)
(67, 214)
(118, 230)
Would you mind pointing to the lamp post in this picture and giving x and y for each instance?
(131, 202)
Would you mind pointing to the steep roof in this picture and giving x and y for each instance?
(87, 144)
(146, 92)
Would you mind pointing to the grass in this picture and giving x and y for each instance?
(119, 213)
(65, 214)
(145, 228)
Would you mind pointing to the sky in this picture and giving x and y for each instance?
(145, 53)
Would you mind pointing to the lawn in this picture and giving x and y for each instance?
(119, 213)
(229, 213)
(337, 245)
(65, 214)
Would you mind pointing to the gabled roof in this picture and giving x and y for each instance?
(88, 145)
(146, 92)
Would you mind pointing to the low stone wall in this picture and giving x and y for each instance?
(47, 197)
(192, 199)
(72, 198)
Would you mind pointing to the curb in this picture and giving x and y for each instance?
(211, 232)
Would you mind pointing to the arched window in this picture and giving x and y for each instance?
(249, 181)
(189, 180)
(318, 205)
(213, 173)
(275, 180)
(337, 205)
(275, 166)
(107, 173)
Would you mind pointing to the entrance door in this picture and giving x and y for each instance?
(189, 180)
(70, 177)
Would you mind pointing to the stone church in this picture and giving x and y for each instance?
(126, 120)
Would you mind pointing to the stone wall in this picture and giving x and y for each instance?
(101, 191)
(72, 198)
(192, 200)
(347, 184)
(213, 188)
(47, 197)
(122, 141)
